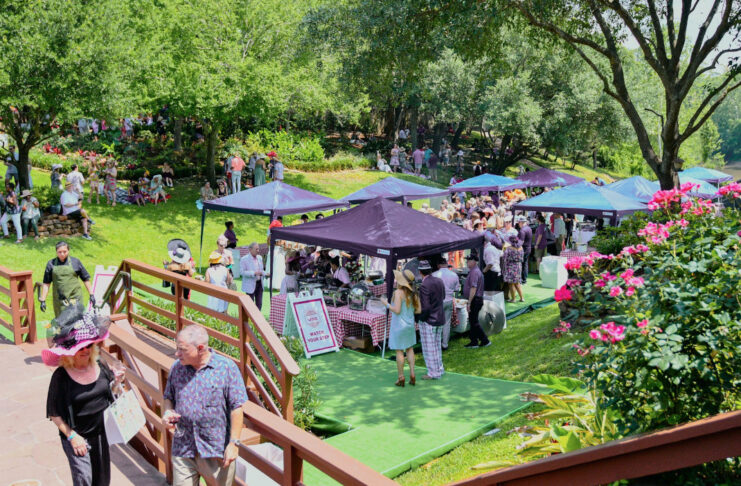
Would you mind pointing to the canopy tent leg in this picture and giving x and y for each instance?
(200, 251)
(390, 264)
(272, 269)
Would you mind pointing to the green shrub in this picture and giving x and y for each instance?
(295, 149)
(47, 196)
(665, 317)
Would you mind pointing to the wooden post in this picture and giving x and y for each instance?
(31, 308)
(178, 305)
(292, 466)
(15, 309)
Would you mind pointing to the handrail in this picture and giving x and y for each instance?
(298, 446)
(21, 311)
(266, 365)
(706, 440)
(120, 276)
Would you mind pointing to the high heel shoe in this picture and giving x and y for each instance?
(412, 380)
(400, 382)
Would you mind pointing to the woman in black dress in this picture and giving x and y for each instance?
(79, 393)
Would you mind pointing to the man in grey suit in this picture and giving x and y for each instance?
(253, 271)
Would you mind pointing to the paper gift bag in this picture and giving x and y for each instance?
(123, 418)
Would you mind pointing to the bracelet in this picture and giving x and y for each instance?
(71, 436)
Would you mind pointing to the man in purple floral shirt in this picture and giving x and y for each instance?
(203, 403)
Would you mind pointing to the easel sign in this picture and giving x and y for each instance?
(101, 280)
(309, 313)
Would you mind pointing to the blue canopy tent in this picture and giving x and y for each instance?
(635, 187)
(487, 183)
(708, 175)
(395, 190)
(706, 189)
(272, 200)
(584, 198)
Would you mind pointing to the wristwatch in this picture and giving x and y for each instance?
(235, 441)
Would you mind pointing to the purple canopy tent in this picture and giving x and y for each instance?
(273, 199)
(383, 229)
(545, 177)
(584, 198)
(395, 190)
(487, 183)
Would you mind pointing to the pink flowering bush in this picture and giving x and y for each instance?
(662, 315)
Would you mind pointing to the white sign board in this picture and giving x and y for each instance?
(307, 317)
(101, 280)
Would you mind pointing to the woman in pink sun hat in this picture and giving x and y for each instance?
(79, 393)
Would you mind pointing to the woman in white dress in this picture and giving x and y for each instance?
(293, 269)
(218, 274)
(394, 162)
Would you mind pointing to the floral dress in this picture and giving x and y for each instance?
(512, 265)
(110, 180)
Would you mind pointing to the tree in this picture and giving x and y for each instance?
(595, 29)
(59, 62)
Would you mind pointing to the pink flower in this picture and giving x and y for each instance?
(574, 263)
(612, 333)
(635, 281)
(662, 199)
(733, 189)
(572, 282)
(562, 294)
(615, 291)
(739, 233)
(642, 323)
(688, 187)
(627, 274)
(595, 334)
(683, 223)
(630, 291)
(600, 283)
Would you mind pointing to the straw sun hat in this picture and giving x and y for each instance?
(404, 279)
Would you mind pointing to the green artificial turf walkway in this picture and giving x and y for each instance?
(535, 295)
(395, 429)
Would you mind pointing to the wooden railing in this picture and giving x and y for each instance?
(20, 311)
(146, 373)
(266, 365)
(711, 439)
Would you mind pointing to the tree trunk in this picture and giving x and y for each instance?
(413, 121)
(439, 131)
(23, 165)
(670, 165)
(177, 134)
(211, 141)
(397, 122)
(388, 122)
(457, 136)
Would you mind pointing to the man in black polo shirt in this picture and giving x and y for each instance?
(65, 273)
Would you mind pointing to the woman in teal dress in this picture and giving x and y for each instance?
(260, 171)
(402, 336)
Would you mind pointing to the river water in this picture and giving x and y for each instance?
(734, 169)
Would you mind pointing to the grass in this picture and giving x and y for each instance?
(524, 349)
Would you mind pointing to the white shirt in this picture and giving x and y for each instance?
(76, 178)
(450, 280)
(342, 275)
(69, 197)
(278, 171)
(492, 256)
(248, 265)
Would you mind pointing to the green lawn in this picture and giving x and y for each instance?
(523, 349)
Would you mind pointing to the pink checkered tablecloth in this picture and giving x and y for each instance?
(378, 290)
(574, 253)
(354, 320)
